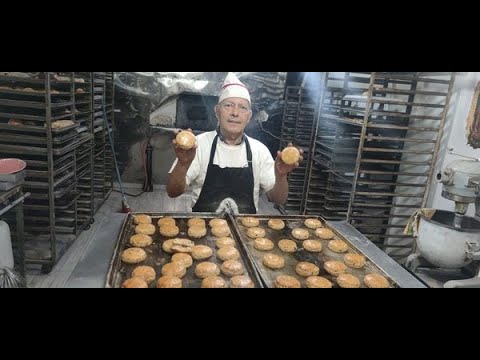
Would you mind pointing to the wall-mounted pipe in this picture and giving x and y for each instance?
(149, 151)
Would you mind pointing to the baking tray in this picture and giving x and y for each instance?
(7, 185)
(156, 257)
(40, 194)
(35, 128)
(291, 259)
(13, 137)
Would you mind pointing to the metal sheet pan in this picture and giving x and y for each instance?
(156, 257)
(268, 276)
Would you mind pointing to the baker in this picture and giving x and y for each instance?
(227, 166)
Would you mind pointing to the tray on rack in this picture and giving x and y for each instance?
(13, 177)
(13, 137)
(40, 128)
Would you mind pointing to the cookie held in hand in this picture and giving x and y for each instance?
(185, 140)
(290, 155)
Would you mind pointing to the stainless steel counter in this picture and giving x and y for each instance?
(401, 276)
(91, 270)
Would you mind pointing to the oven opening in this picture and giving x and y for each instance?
(196, 112)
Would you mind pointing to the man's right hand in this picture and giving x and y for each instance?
(176, 183)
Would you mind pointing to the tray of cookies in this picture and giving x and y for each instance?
(180, 250)
(297, 251)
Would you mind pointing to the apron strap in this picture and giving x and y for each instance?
(213, 149)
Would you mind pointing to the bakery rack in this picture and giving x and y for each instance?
(298, 128)
(103, 95)
(375, 146)
(59, 158)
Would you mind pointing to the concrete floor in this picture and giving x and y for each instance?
(156, 201)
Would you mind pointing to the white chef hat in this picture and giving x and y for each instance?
(232, 87)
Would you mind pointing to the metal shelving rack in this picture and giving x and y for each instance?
(59, 159)
(376, 143)
(109, 110)
(335, 147)
(103, 102)
(298, 125)
(84, 154)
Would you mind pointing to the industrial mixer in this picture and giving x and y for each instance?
(450, 241)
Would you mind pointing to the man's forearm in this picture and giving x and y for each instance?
(176, 184)
(279, 193)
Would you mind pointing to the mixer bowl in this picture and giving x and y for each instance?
(443, 245)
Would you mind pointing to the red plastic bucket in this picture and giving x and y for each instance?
(11, 166)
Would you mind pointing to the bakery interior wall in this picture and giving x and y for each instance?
(176, 99)
(142, 98)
